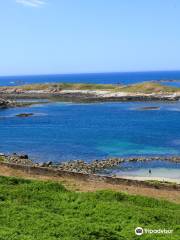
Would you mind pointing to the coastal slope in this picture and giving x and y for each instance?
(47, 210)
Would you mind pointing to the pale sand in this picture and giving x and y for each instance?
(162, 179)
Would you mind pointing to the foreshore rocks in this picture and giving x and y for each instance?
(9, 101)
(88, 95)
(98, 165)
(82, 166)
(93, 167)
(22, 159)
(5, 103)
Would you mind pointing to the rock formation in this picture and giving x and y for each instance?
(5, 103)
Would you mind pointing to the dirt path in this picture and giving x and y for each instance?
(90, 186)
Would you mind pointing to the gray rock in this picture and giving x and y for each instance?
(5, 103)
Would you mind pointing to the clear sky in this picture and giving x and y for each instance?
(73, 36)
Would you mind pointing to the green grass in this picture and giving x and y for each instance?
(70, 86)
(32, 210)
(2, 159)
(149, 87)
(145, 87)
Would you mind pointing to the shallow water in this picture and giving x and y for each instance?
(66, 131)
(162, 169)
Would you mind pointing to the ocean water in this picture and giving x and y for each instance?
(115, 78)
(69, 131)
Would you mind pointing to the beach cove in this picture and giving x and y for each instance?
(79, 124)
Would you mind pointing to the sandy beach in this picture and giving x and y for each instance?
(150, 178)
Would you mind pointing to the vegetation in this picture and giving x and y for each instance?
(33, 210)
(2, 159)
(69, 86)
(149, 87)
(158, 184)
(145, 87)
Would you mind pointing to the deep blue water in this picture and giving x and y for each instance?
(65, 131)
(116, 78)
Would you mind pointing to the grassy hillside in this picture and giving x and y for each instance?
(32, 210)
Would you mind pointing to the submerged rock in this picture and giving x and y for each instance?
(148, 108)
(24, 115)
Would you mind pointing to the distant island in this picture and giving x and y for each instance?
(81, 92)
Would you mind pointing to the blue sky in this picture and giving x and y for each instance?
(73, 36)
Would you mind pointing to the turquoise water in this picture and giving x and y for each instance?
(163, 169)
(66, 131)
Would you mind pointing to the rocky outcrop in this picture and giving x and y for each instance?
(98, 165)
(5, 103)
(22, 159)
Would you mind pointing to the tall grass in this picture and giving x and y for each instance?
(33, 210)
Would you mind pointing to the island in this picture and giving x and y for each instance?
(83, 92)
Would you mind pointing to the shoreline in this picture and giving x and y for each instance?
(81, 93)
(147, 91)
(150, 178)
(79, 176)
(7, 101)
(80, 166)
(84, 185)
(88, 182)
(90, 96)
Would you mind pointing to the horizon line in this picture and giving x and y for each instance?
(81, 73)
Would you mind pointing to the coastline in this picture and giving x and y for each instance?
(96, 93)
(150, 178)
(80, 166)
(147, 91)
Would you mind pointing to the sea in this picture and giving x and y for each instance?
(61, 131)
(168, 77)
